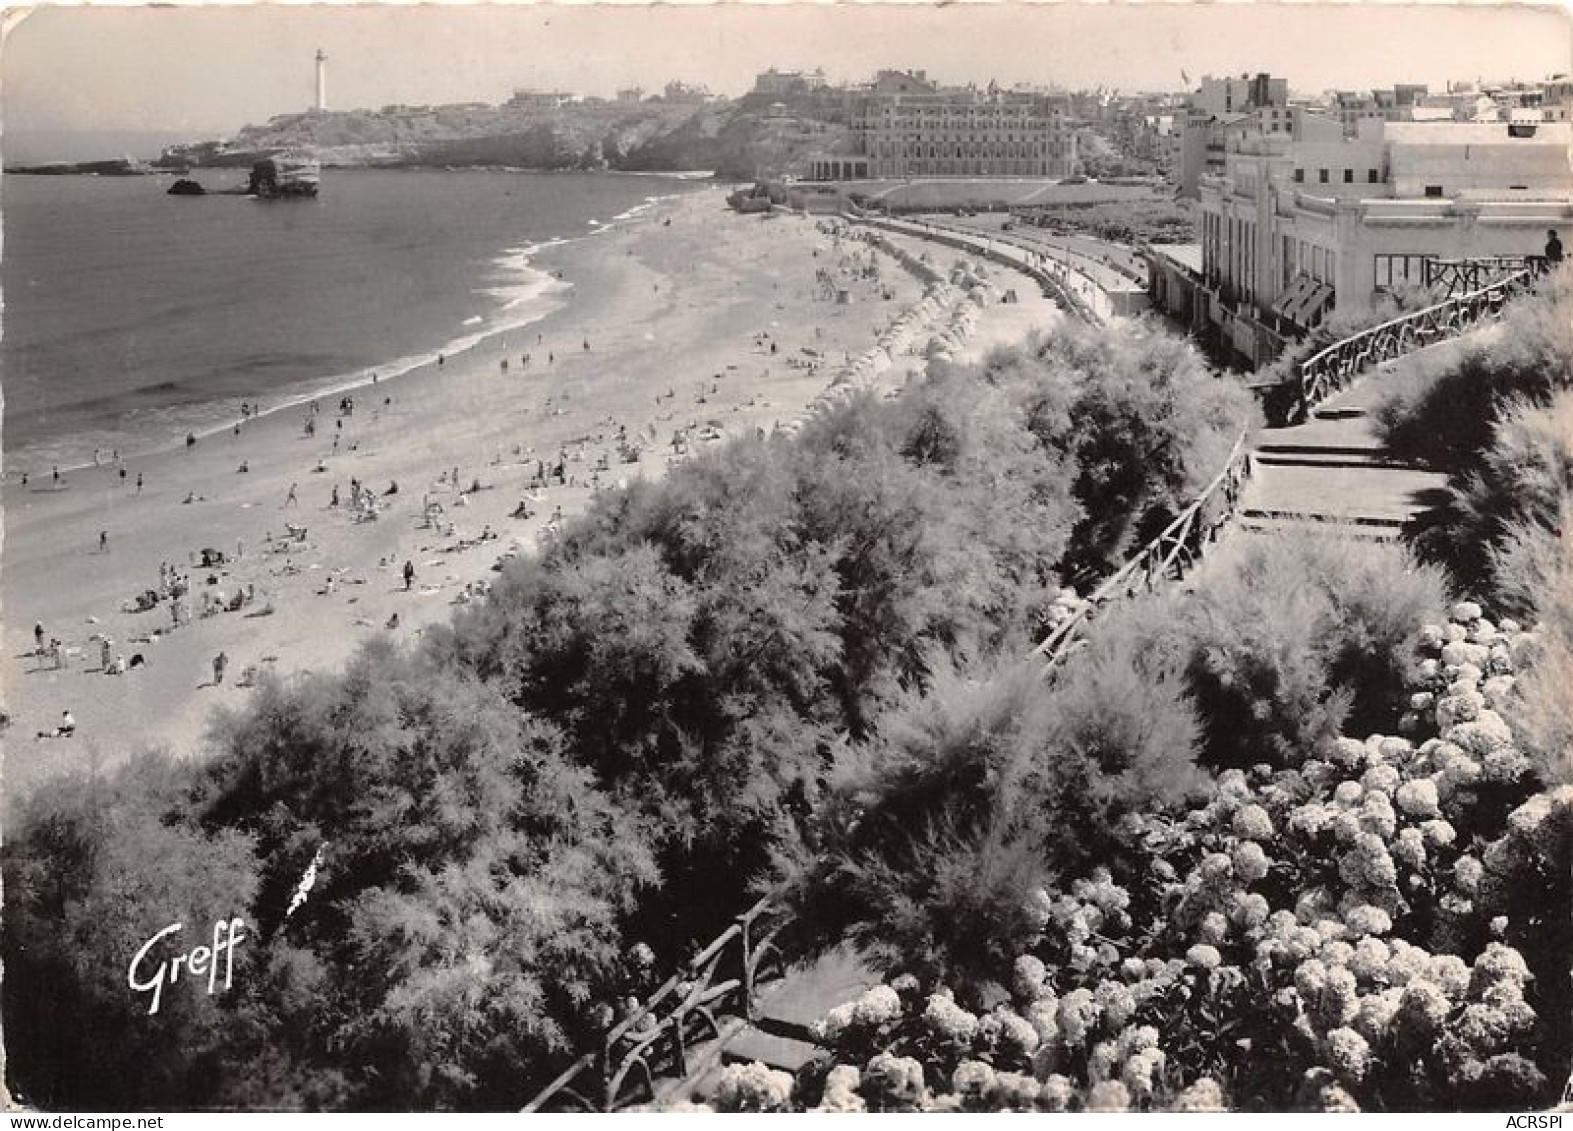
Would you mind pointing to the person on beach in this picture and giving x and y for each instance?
(66, 728)
(139, 482)
(24, 479)
(57, 476)
(290, 500)
(104, 653)
(103, 541)
(220, 662)
(409, 575)
(191, 439)
(38, 638)
(334, 500)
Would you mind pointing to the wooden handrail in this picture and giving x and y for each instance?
(627, 1044)
(1154, 560)
(1329, 369)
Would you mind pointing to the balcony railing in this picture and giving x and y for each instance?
(1324, 373)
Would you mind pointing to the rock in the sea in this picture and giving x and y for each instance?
(186, 187)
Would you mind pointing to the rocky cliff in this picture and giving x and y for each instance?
(738, 139)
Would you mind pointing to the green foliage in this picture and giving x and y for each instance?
(969, 797)
(1541, 710)
(1291, 640)
(95, 867)
(1441, 404)
(1522, 481)
(1138, 415)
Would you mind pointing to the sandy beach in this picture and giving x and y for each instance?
(664, 331)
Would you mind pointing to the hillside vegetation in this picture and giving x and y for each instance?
(738, 139)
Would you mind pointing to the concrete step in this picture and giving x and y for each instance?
(1324, 457)
(1331, 411)
(1381, 496)
(782, 1053)
(1305, 524)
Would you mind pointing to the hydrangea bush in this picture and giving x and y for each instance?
(1381, 926)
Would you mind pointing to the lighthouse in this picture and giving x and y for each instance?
(322, 80)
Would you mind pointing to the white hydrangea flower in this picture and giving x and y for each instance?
(1202, 1096)
(1251, 822)
(1078, 1014)
(1487, 733)
(1369, 962)
(1500, 963)
(753, 1088)
(1417, 799)
(972, 1078)
(1451, 974)
(948, 1021)
(1110, 1095)
(1347, 752)
(1439, 833)
(1016, 1034)
(1204, 957)
(1464, 612)
(1029, 976)
(1056, 1093)
(1504, 764)
(1467, 874)
(1250, 862)
(1140, 1071)
(1375, 1016)
(1348, 793)
(877, 1006)
(1368, 920)
(1409, 849)
(1348, 1054)
(1381, 779)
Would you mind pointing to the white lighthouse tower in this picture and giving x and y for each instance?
(322, 80)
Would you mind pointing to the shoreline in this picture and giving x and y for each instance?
(679, 320)
(550, 296)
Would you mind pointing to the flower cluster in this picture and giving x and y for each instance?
(1368, 919)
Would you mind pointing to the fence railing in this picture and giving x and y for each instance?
(1324, 373)
(1165, 559)
(655, 1039)
(1461, 276)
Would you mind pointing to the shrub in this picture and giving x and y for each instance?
(1143, 420)
(1440, 406)
(1334, 919)
(1521, 482)
(1291, 639)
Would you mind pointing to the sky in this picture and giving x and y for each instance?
(202, 71)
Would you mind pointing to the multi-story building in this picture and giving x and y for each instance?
(907, 126)
(1220, 112)
(1556, 99)
(1296, 229)
(1220, 98)
(776, 83)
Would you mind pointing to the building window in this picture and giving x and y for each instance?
(1349, 176)
(1433, 190)
(1393, 271)
(1321, 175)
(1299, 176)
(1372, 176)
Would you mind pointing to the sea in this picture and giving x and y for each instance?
(132, 317)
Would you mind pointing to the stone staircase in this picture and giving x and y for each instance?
(1333, 475)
